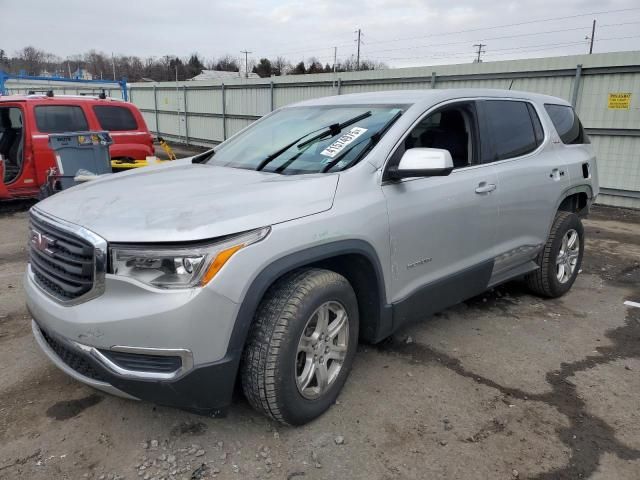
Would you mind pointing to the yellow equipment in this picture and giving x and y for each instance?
(119, 165)
(165, 146)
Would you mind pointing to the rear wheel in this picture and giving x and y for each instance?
(561, 257)
(302, 346)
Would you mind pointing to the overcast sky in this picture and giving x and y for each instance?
(400, 32)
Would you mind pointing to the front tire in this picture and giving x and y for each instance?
(560, 259)
(301, 347)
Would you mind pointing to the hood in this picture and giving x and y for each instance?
(186, 202)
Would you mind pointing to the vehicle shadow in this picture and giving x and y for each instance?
(9, 207)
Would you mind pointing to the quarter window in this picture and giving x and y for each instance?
(537, 125)
(60, 119)
(114, 118)
(567, 124)
(511, 128)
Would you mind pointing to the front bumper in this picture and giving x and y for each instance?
(129, 319)
(206, 389)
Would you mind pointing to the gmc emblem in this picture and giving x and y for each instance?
(41, 242)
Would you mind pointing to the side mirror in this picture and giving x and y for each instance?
(423, 162)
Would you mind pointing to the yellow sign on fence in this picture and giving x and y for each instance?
(619, 101)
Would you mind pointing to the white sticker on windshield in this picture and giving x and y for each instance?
(345, 139)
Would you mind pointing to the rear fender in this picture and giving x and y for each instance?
(137, 151)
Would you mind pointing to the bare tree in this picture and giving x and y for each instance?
(227, 64)
(280, 66)
(30, 60)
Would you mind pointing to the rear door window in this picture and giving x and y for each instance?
(511, 128)
(115, 118)
(567, 124)
(60, 119)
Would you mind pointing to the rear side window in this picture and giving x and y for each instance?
(511, 128)
(567, 124)
(60, 119)
(115, 118)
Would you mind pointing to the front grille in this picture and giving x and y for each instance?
(74, 360)
(143, 362)
(62, 262)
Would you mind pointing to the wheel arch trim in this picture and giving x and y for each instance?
(582, 188)
(275, 270)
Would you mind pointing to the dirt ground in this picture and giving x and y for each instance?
(503, 386)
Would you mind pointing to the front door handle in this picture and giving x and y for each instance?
(485, 187)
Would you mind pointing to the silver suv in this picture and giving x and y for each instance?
(266, 259)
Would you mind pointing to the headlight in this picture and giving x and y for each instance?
(179, 267)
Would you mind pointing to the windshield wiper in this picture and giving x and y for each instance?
(373, 139)
(328, 131)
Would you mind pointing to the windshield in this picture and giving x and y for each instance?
(301, 140)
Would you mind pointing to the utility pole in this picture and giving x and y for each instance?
(178, 102)
(593, 36)
(335, 64)
(246, 62)
(480, 51)
(113, 65)
(359, 32)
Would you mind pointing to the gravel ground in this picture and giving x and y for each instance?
(503, 386)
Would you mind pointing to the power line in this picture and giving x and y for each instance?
(493, 27)
(604, 12)
(501, 37)
(413, 47)
(510, 50)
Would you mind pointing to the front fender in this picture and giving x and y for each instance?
(298, 259)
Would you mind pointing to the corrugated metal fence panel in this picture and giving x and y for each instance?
(142, 97)
(618, 161)
(593, 101)
(150, 120)
(379, 87)
(234, 125)
(286, 94)
(497, 83)
(555, 86)
(248, 101)
(169, 99)
(171, 124)
(204, 101)
(205, 129)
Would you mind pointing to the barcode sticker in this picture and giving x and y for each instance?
(345, 139)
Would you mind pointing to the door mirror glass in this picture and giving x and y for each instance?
(423, 162)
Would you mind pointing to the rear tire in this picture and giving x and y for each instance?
(291, 371)
(560, 259)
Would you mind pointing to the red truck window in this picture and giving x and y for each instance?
(114, 118)
(60, 119)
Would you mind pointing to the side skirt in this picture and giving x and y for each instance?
(443, 293)
(514, 272)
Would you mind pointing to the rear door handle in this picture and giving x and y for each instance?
(485, 187)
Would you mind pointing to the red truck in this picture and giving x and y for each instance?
(26, 122)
